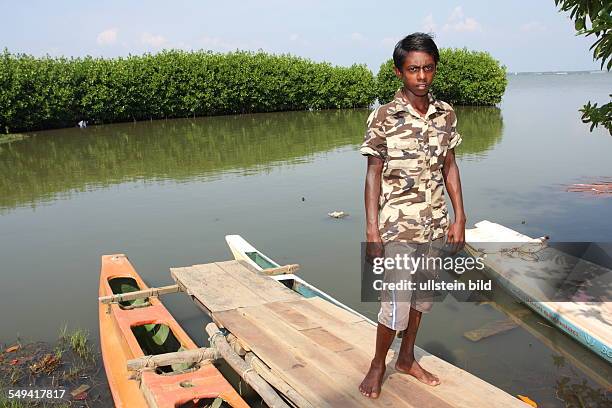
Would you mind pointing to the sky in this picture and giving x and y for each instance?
(524, 35)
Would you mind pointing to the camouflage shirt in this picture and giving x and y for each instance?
(412, 206)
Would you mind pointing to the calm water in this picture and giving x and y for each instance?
(167, 192)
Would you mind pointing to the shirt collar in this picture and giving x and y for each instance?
(400, 104)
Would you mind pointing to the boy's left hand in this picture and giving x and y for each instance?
(456, 236)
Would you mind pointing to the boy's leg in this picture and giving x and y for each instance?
(371, 384)
(393, 316)
(406, 362)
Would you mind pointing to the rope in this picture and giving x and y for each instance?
(245, 372)
(211, 339)
(149, 362)
(527, 252)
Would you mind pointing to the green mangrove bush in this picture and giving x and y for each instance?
(43, 93)
(463, 77)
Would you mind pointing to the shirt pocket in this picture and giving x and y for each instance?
(405, 153)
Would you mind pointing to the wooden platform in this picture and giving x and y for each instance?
(319, 349)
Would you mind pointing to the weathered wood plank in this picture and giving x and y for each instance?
(287, 312)
(327, 340)
(265, 391)
(355, 342)
(348, 364)
(274, 380)
(490, 329)
(307, 312)
(211, 285)
(335, 311)
(139, 294)
(266, 288)
(458, 388)
(344, 375)
(179, 357)
(319, 349)
(289, 365)
(462, 386)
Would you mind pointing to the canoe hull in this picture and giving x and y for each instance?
(119, 344)
(560, 314)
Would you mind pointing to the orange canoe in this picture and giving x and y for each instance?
(136, 328)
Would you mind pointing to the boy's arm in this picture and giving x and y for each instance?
(372, 197)
(450, 171)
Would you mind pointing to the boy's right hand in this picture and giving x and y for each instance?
(374, 248)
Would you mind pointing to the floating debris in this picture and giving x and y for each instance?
(80, 393)
(527, 400)
(490, 329)
(13, 348)
(47, 364)
(604, 187)
(337, 214)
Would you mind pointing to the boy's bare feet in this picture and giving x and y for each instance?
(414, 369)
(371, 384)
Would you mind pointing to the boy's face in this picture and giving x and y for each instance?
(417, 73)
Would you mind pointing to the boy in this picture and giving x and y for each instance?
(410, 145)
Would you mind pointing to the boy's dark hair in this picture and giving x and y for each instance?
(414, 42)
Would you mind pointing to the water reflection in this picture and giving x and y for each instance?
(481, 128)
(54, 163)
(57, 162)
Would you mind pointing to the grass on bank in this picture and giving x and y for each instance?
(69, 363)
(78, 341)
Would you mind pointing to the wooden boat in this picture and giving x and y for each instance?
(530, 272)
(142, 327)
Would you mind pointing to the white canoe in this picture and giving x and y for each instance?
(531, 272)
(243, 251)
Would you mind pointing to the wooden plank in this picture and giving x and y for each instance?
(210, 285)
(335, 311)
(327, 340)
(267, 288)
(463, 386)
(362, 336)
(406, 388)
(306, 379)
(343, 372)
(179, 357)
(490, 329)
(356, 332)
(139, 294)
(283, 335)
(242, 368)
(347, 364)
(303, 315)
(297, 320)
(318, 348)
